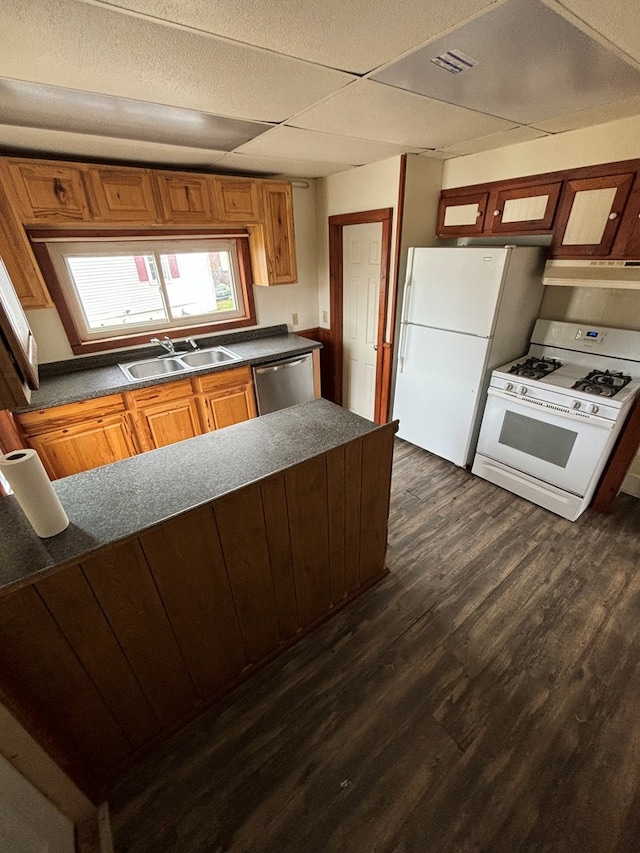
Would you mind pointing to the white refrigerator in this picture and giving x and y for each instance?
(466, 310)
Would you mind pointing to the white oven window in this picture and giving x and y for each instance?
(545, 441)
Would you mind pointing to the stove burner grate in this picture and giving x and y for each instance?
(602, 383)
(535, 368)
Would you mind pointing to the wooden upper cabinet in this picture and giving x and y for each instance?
(236, 199)
(589, 215)
(123, 195)
(277, 203)
(462, 215)
(184, 196)
(522, 209)
(49, 192)
(627, 241)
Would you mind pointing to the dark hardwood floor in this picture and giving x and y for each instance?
(485, 696)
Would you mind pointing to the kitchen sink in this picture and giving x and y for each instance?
(160, 366)
(151, 367)
(205, 357)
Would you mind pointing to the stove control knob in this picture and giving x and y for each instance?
(593, 408)
(522, 390)
(508, 386)
(575, 404)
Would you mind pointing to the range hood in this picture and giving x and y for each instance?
(618, 274)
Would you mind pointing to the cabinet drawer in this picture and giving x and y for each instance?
(224, 380)
(160, 393)
(44, 420)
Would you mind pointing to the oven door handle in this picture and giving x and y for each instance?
(577, 418)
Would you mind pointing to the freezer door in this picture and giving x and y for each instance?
(440, 391)
(455, 289)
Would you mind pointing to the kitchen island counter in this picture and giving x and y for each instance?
(183, 571)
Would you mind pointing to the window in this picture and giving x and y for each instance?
(113, 291)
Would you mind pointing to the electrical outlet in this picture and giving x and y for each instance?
(325, 316)
(294, 319)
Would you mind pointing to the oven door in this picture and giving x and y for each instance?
(556, 447)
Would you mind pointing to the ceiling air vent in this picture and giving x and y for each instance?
(454, 61)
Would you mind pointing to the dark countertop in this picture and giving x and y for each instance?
(114, 502)
(98, 376)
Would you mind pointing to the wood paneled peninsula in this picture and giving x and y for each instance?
(184, 570)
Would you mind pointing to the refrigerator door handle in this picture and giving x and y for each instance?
(403, 345)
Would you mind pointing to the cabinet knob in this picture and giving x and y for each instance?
(479, 213)
(613, 215)
(496, 213)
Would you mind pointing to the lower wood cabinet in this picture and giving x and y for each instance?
(102, 659)
(80, 436)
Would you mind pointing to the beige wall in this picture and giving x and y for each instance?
(274, 305)
(365, 188)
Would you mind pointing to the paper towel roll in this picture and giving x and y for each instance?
(34, 492)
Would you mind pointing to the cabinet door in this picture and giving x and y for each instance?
(280, 246)
(165, 414)
(627, 242)
(589, 215)
(523, 209)
(236, 200)
(462, 215)
(49, 193)
(124, 195)
(84, 446)
(184, 197)
(226, 398)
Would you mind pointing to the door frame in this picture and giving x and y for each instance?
(336, 288)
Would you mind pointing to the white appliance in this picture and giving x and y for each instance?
(623, 275)
(552, 417)
(466, 310)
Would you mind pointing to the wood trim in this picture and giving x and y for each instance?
(80, 347)
(619, 462)
(10, 438)
(601, 170)
(317, 390)
(383, 302)
(336, 224)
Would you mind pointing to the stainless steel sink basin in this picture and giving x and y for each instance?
(205, 357)
(151, 367)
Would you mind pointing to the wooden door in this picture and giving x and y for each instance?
(165, 414)
(277, 203)
(184, 197)
(48, 192)
(226, 398)
(124, 195)
(462, 215)
(589, 215)
(627, 242)
(361, 296)
(523, 209)
(83, 446)
(236, 200)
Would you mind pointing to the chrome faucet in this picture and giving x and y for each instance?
(191, 343)
(166, 343)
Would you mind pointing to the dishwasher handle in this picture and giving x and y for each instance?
(282, 365)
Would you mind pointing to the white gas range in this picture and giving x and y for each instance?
(552, 416)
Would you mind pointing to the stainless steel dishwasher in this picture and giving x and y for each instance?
(284, 383)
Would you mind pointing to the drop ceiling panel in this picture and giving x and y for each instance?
(35, 105)
(90, 48)
(251, 164)
(284, 142)
(496, 140)
(368, 110)
(37, 141)
(531, 64)
(617, 20)
(597, 115)
(354, 36)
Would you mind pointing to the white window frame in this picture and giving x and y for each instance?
(59, 248)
